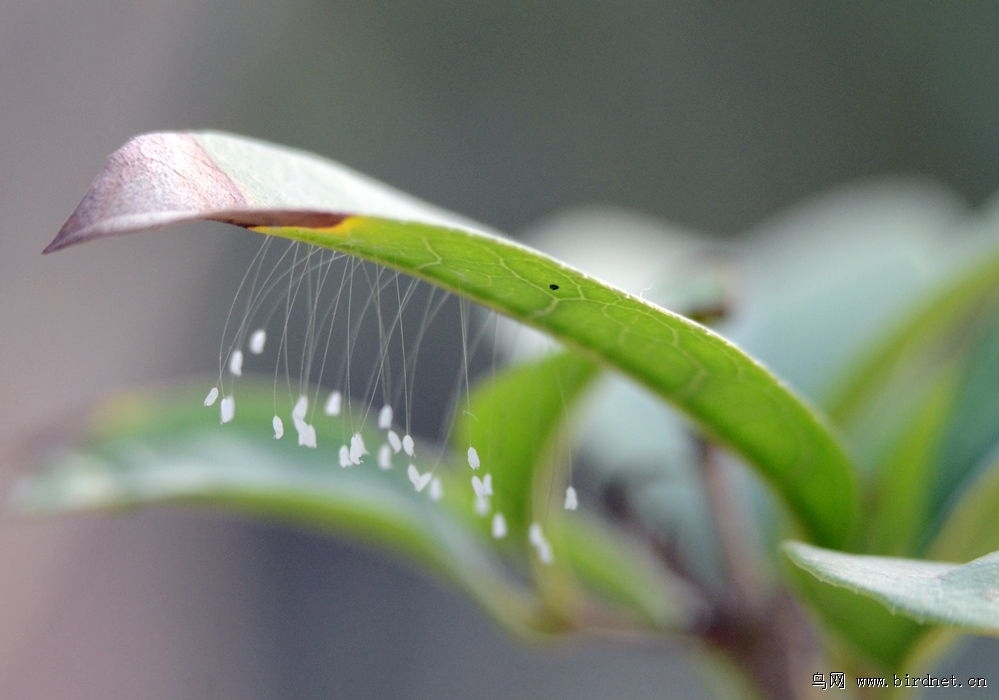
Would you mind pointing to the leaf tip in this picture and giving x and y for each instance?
(153, 180)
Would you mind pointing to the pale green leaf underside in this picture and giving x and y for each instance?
(960, 595)
(159, 179)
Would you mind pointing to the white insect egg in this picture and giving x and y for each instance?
(487, 484)
(545, 553)
(301, 408)
(357, 448)
(482, 505)
(257, 341)
(385, 456)
(499, 526)
(306, 434)
(236, 363)
(212, 396)
(571, 500)
(344, 456)
(278, 427)
(408, 445)
(228, 409)
(473, 458)
(394, 441)
(334, 403)
(385, 417)
(479, 487)
(420, 481)
(436, 489)
(537, 538)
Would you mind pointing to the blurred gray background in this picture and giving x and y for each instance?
(712, 116)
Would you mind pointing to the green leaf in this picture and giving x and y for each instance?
(902, 489)
(513, 419)
(971, 529)
(516, 420)
(973, 425)
(159, 179)
(960, 595)
(162, 446)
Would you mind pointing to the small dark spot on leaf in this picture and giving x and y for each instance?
(552, 286)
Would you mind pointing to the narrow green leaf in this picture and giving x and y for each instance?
(516, 420)
(159, 179)
(971, 528)
(732, 397)
(902, 490)
(512, 420)
(960, 595)
(973, 426)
